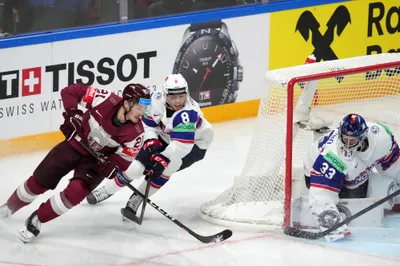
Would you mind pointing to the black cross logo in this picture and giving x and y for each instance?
(322, 43)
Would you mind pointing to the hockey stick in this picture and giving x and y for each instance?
(295, 232)
(145, 198)
(135, 218)
(221, 236)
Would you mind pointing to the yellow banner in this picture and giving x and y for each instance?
(334, 31)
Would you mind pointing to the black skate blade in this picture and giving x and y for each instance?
(129, 215)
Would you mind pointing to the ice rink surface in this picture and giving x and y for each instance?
(96, 235)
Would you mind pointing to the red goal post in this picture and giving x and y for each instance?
(289, 123)
(264, 190)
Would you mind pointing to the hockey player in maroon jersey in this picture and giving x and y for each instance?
(110, 126)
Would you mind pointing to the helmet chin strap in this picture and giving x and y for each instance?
(169, 107)
(127, 111)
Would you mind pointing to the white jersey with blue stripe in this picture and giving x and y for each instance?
(382, 153)
(330, 168)
(181, 131)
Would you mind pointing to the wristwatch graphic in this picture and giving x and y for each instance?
(209, 61)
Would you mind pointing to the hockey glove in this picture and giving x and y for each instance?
(72, 122)
(150, 146)
(159, 163)
(109, 167)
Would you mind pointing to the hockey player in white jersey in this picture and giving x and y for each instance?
(340, 165)
(176, 136)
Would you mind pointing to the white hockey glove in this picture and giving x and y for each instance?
(340, 233)
(316, 124)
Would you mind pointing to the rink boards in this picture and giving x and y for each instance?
(33, 69)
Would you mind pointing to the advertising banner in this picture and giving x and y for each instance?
(223, 61)
(334, 31)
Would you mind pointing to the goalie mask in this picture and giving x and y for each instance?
(352, 132)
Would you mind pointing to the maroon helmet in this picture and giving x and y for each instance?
(136, 93)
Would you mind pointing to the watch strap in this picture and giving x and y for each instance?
(205, 25)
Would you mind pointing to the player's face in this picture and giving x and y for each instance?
(349, 141)
(176, 101)
(135, 113)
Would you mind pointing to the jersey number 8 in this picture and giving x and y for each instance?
(327, 171)
(185, 117)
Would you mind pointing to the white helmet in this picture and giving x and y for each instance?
(175, 84)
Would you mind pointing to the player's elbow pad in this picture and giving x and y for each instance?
(205, 139)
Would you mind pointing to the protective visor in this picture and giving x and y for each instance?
(349, 141)
(144, 102)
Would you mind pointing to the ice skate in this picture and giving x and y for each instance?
(5, 212)
(129, 212)
(32, 229)
(98, 195)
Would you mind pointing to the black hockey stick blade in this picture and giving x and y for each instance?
(219, 237)
(295, 232)
(129, 216)
(224, 235)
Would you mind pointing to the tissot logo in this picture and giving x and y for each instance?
(27, 82)
(322, 42)
(31, 83)
(9, 84)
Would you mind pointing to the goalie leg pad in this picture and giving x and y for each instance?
(380, 186)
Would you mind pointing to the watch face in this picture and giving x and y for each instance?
(207, 61)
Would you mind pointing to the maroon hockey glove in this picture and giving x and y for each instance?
(159, 163)
(72, 122)
(108, 168)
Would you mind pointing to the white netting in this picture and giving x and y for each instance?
(256, 197)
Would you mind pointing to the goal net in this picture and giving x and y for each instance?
(272, 176)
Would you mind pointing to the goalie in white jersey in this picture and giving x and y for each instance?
(340, 165)
(176, 136)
